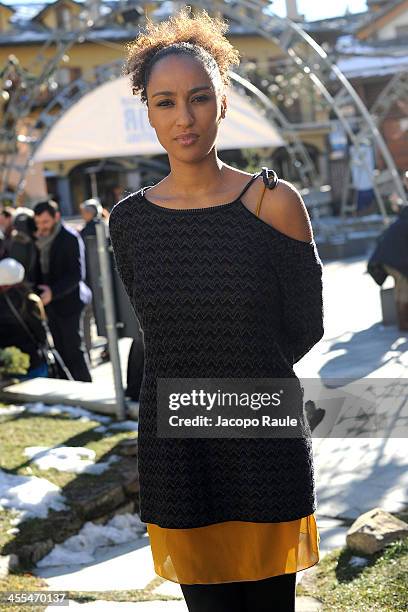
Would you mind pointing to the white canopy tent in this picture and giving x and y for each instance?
(111, 122)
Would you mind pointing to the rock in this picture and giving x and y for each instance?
(7, 563)
(132, 487)
(99, 502)
(128, 447)
(308, 604)
(64, 525)
(128, 507)
(130, 479)
(373, 530)
(29, 554)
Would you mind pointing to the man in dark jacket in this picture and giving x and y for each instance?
(391, 257)
(64, 292)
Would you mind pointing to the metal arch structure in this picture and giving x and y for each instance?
(20, 104)
(295, 148)
(307, 55)
(396, 89)
(311, 58)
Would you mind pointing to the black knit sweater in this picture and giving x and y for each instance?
(218, 293)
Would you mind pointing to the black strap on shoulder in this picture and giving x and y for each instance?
(270, 178)
(249, 183)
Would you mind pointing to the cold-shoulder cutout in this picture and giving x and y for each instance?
(283, 210)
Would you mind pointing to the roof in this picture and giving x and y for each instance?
(10, 8)
(364, 67)
(50, 4)
(350, 45)
(28, 29)
(348, 22)
(378, 18)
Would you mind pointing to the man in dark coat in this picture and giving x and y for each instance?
(64, 292)
(391, 257)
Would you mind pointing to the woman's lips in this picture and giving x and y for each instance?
(187, 140)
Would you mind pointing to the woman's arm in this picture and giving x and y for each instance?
(118, 224)
(298, 267)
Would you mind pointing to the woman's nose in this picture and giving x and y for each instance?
(184, 116)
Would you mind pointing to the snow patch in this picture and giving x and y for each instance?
(11, 410)
(30, 496)
(81, 548)
(358, 561)
(74, 411)
(68, 459)
(125, 425)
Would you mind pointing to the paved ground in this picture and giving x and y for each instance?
(355, 345)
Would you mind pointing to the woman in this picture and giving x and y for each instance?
(222, 287)
(22, 318)
(22, 246)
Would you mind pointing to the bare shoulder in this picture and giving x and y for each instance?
(283, 208)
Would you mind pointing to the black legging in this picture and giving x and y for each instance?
(276, 594)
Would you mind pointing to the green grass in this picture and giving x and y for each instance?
(22, 581)
(25, 581)
(16, 433)
(380, 585)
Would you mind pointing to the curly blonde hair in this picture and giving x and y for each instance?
(200, 35)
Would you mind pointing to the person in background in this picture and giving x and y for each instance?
(22, 242)
(22, 318)
(362, 164)
(2, 246)
(118, 192)
(90, 211)
(64, 292)
(6, 226)
(390, 257)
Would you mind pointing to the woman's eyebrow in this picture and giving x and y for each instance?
(170, 93)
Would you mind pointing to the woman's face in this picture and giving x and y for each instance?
(190, 105)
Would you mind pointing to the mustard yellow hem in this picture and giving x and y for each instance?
(206, 555)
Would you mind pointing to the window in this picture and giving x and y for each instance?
(64, 18)
(402, 30)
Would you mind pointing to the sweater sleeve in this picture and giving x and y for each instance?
(118, 223)
(74, 268)
(299, 270)
(35, 317)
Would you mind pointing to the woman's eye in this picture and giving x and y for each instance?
(163, 102)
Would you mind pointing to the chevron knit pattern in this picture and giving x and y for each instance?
(218, 293)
